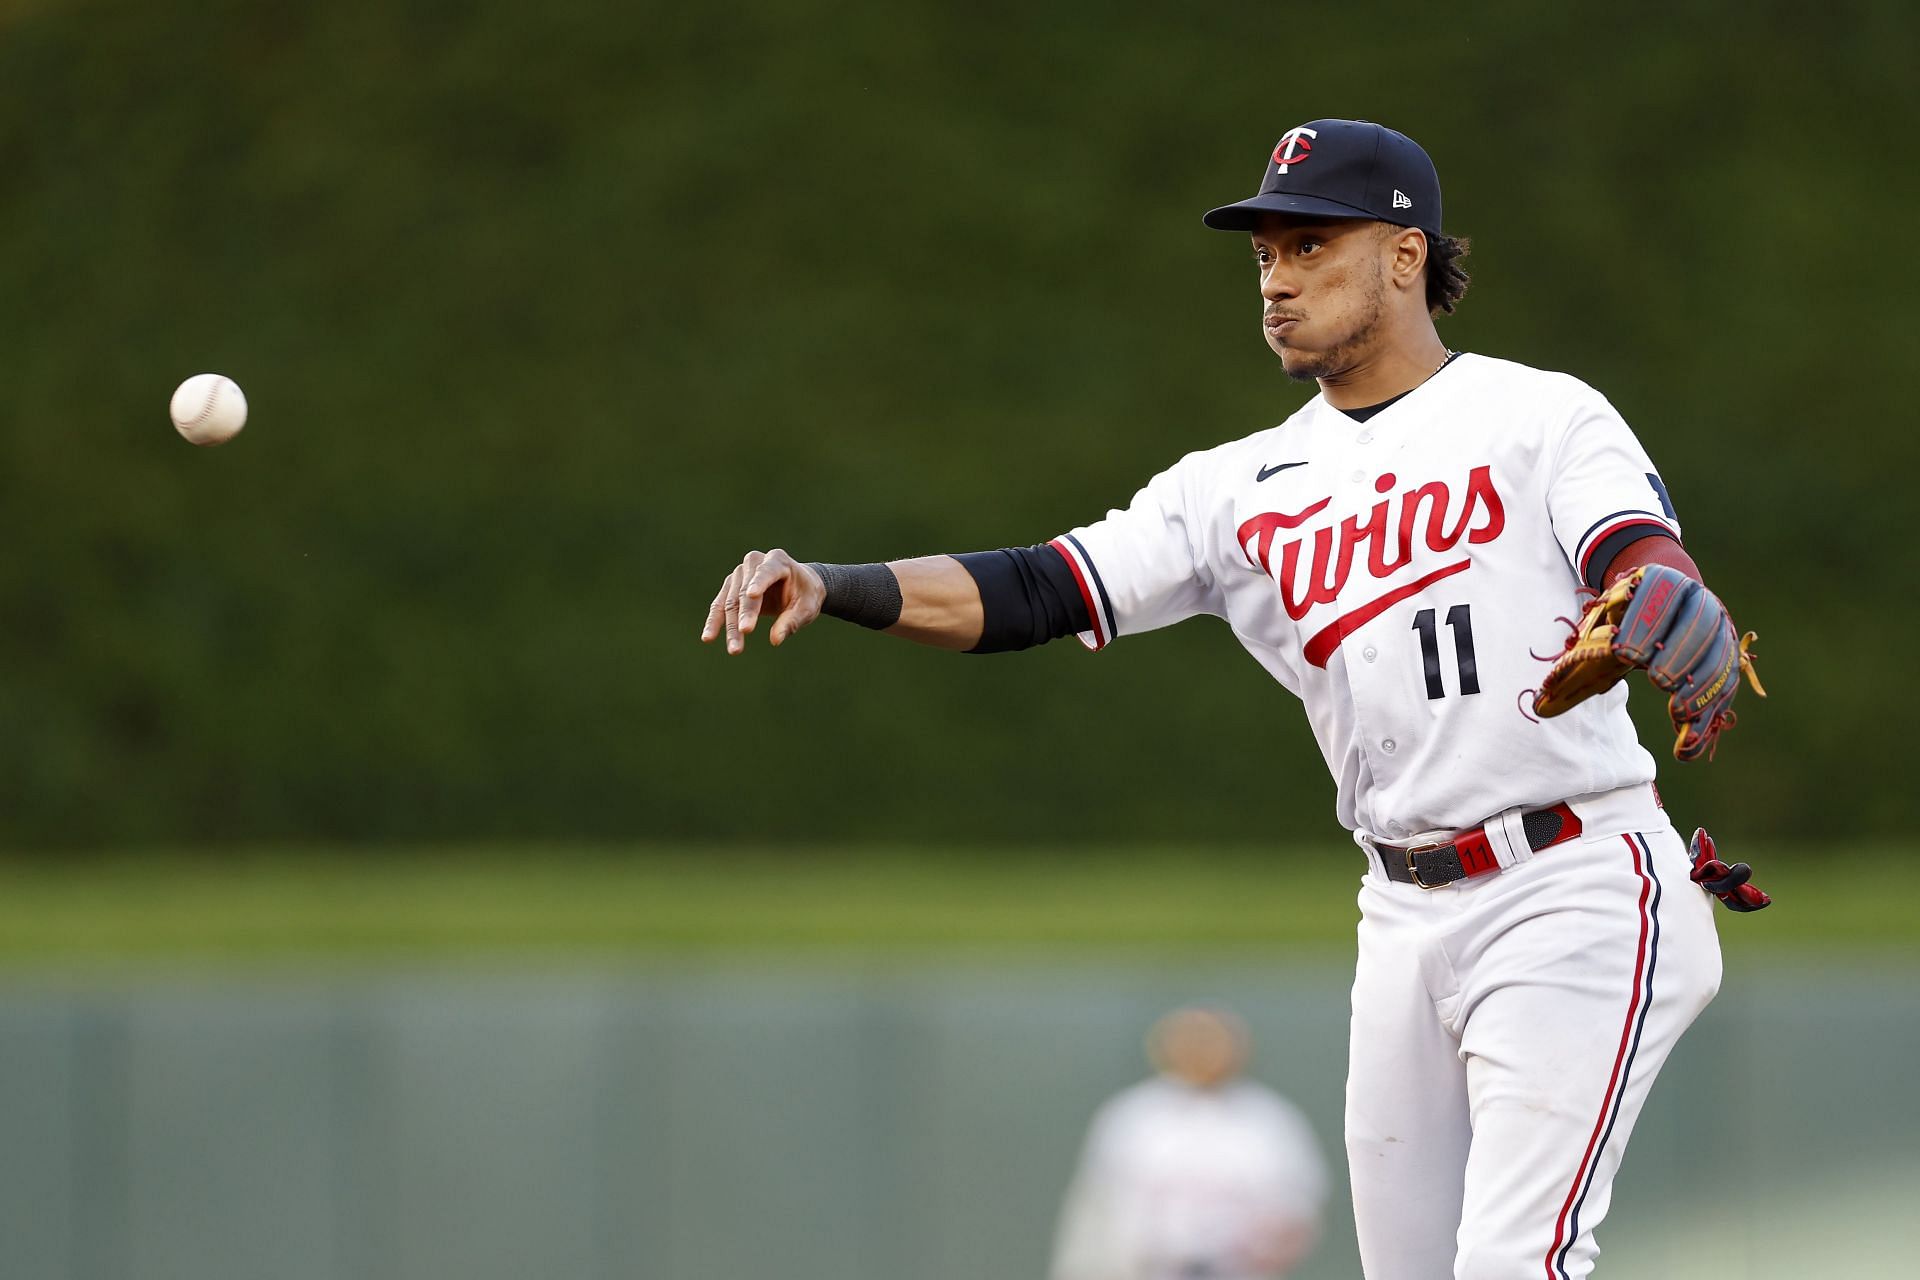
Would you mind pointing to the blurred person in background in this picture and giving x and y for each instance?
(1195, 1174)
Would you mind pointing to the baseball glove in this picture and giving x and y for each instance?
(1727, 883)
(1658, 618)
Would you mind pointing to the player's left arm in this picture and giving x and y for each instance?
(1617, 524)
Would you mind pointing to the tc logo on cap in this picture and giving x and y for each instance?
(1294, 147)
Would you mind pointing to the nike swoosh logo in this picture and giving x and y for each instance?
(1265, 472)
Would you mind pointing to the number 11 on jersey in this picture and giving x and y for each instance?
(1460, 622)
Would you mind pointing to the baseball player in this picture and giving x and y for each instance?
(1407, 554)
(1196, 1174)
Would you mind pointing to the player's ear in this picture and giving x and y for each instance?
(1406, 249)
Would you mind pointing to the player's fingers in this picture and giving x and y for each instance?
(800, 611)
(759, 572)
(723, 601)
(716, 614)
(731, 611)
(806, 595)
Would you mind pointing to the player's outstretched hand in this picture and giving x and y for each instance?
(764, 583)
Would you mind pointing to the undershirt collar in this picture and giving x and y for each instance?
(1367, 411)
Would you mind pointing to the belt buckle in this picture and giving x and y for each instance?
(1413, 868)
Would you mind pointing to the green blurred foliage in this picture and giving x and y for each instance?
(546, 313)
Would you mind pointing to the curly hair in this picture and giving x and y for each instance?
(1447, 281)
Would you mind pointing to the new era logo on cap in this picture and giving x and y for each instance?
(1358, 169)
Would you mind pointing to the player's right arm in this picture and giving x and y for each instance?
(939, 600)
(1136, 570)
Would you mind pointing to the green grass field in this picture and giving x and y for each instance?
(704, 903)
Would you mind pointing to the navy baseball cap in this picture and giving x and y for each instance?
(1342, 169)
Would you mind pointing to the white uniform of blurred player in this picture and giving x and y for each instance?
(1196, 1174)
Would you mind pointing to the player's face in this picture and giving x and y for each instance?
(1323, 287)
(1200, 1047)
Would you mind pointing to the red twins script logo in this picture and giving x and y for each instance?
(1388, 541)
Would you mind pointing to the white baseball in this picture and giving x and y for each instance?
(209, 409)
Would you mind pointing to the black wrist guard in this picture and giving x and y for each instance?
(867, 594)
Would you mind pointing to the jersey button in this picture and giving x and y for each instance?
(1387, 745)
(1365, 437)
(1359, 477)
(1369, 653)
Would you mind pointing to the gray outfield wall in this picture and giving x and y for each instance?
(830, 1122)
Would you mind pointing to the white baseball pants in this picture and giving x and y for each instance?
(1505, 1033)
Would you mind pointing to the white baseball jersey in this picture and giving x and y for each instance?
(1178, 1181)
(1405, 578)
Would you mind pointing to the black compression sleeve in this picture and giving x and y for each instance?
(1027, 597)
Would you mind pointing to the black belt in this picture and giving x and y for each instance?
(1469, 854)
